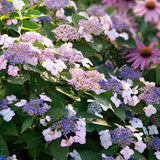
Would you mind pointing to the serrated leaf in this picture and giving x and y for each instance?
(98, 44)
(109, 151)
(89, 155)
(85, 48)
(68, 92)
(110, 10)
(8, 128)
(56, 113)
(34, 152)
(2, 93)
(29, 25)
(27, 123)
(32, 13)
(33, 68)
(76, 18)
(158, 73)
(3, 147)
(38, 44)
(33, 142)
(130, 43)
(48, 77)
(27, 136)
(48, 27)
(119, 112)
(20, 79)
(138, 156)
(104, 98)
(58, 152)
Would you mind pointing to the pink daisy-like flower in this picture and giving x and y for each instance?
(120, 4)
(149, 8)
(142, 55)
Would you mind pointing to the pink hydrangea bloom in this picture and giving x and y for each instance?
(105, 138)
(142, 55)
(149, 8)
(21, 103)
(67, 143)
(140, 146)
(157, 154)
(7, 114)
(127, 152)
(149, 110)
(45, 98)
(3, 62)
(13, 70)
(50, 135)
(10, 21)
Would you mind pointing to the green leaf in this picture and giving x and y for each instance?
(89, 155)
(58, 152)
(29, 25)
(138, 156)
(3, 147)
(13, 26)
(38, 44)
(119, 112)
(76, 18)
(8, 128)
(130, 43)
(48, 27)
(33, 68)
(33, 142)
(27, 123)
(34, 152)
(157, 115)
(98, 44)
(27, 136)
(110, 150)
(158, 73)
(110, 10)
(20, 79)
(68, 92)
(2, 93)
(85, 48)
(32, 13)
(56, 113)
(48, 77)
(104, 98)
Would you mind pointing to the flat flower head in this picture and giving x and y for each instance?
(140, 146)
(18, 4)
(142, 55)
(21, 103)
(136, 123)
(67, 143)
(13, 70)
(127, 152)
(148, 8)
(153, 130)
(3, 62)
(149, 110)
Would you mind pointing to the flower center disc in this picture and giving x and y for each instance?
(146, 52)
(150, 4)
(51, 133)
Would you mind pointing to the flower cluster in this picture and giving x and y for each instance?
(66, 32)
(67, 125)
(36, 107)
(122, 136)
(18, 53)
(6, 7)
(85, 80)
